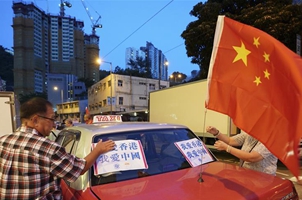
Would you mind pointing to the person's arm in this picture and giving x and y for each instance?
(252, 156)
(101, 147)
(227, 143)
(223, 137)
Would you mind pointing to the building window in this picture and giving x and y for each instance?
(104, 102)
(109, 83)
(104, 86)
(120, 83)
(142, 98)
(142, 83)
(151, 86)
(120, 100)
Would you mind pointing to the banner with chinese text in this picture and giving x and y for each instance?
(194, 151)
(128, 155)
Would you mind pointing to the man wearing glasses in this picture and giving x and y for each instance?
(32, 165)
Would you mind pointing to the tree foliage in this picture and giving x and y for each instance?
(103, 74)
(139, 68)
(7, 67)
(279, 18)
(88, 82)
(177, 77)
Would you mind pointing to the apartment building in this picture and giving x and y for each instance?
(50, 44)
(132, 54)
(155, 57)
(74, 110)
(119, 93)
(64, 88)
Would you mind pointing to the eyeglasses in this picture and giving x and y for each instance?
(52, 119)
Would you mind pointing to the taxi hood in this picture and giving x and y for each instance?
(220, 181)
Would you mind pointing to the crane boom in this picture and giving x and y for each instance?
(94, 23)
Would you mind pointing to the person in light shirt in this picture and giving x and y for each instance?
(253, 154)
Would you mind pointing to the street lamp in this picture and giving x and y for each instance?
(162, 68)
(56, 88)
(179, 76)
(102, 61)
(174, 76)
(166, 63)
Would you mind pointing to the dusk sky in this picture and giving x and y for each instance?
(125, 24)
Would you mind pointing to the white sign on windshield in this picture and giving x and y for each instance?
(128, 155)
(194, 151)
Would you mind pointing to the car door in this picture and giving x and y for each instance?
(68, 139)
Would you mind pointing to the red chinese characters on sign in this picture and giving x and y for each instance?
(107, 118)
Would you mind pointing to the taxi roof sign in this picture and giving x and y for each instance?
(107, 118)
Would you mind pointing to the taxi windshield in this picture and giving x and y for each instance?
(160, 151)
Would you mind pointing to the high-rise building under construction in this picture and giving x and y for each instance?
(55, 44)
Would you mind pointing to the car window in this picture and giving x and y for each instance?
(69, 139)
(161, 153)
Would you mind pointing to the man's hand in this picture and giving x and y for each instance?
(100, 148)
(104, 147)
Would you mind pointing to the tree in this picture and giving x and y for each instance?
(88, 82)
(140, 67)
(7, 66)
(177, 77)
(279, 18)
(103, 74)
(120, 71)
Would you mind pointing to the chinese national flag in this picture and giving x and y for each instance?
(87, 111)
(257, 81)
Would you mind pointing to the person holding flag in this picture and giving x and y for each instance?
(253, 154)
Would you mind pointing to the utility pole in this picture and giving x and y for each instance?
(62, 104)
(111, 77)
(298, 46)
(111, 102)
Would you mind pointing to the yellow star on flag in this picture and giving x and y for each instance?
(266, 74)
(266, 57)
(242, 53)
(257, 80)
(256, 42)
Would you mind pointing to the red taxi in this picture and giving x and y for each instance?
(169, 174)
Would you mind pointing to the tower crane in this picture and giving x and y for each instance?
(62, 9)
(94, 23)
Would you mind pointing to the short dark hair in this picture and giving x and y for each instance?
(36, 105)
